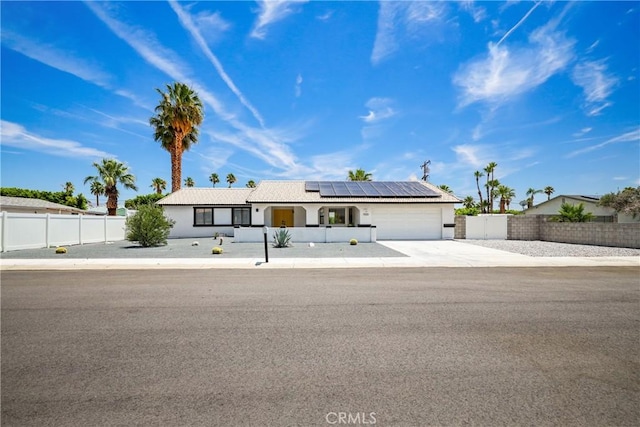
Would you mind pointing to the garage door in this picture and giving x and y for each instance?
(407, 222)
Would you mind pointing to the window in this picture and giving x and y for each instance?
(337, 216)
(202, 216)
(241, 216)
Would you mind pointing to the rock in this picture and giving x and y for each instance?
(195, 244)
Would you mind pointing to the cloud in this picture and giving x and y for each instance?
(189, 24)
(473, 155)
(379, 109)
(397, 19)
(520, 22)
(272, 11)
(504, 73)
(478, 13)
(298, 86)
(631, 136)
(596, 83)
(15, 135)
(582, 132)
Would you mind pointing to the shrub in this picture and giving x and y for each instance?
(145, 199)
(353, 242)
(149, 226)
(61, 250)
(572, 213)
(217, 250)
(281, 238)
(473, 211)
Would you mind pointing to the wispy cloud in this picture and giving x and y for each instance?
(632, 136)
(272, 11)
(596, 83)
(478, 13)
(16, 135)
(520, 22)
(507, 72)
(582, 132)
(188, 24)
(472, 155)
(396, 19)
(298, 87)
(379, 109)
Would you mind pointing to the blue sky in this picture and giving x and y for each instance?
(310, 90)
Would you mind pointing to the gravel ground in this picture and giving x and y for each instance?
(537, 248)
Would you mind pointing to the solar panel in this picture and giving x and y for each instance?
(378, 189)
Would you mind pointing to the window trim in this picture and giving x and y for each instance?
(213, 216)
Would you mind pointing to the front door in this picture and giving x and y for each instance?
(282, 217)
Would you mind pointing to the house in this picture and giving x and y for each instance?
(316, 210)
(27, 205)
(102, 210)
(600, 213)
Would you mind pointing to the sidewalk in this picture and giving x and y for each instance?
(444, 253)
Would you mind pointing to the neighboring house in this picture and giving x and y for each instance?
(102, 210)
(26, 205)
(600, 213)
(405, 210)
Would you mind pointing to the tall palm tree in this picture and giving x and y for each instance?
(214, 178)
(111, 173)
(531, 192)
(231, 179)
(97, 189)
(506, 194)
(549, 190)
(177, 116)
(468, 202)
(189, 182)
(68, 187)
(359, 175)
(479, 175)
(493, 192)
(509, 196)
(251, 184)
(490, 170)
(159, 185)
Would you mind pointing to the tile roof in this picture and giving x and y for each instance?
(294, 192)
(24, 202)
(207, 196)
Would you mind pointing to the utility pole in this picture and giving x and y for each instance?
(425, 170)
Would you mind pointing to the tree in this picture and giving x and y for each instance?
(531, 192)
(572, 213)
(149, 226)
(68, 187)
(445, 187)
(548, 191)
(626, 201)
(490, 169)
(479, 175)
(231, 179)
(144, 199)
(493, 192)
(251, 184)
(176, 122)
(468, 202)
(506, 194)
(189, 182)
(159, 185)
(214, 178)
(359, 175)
(111, 173)
(97, 189)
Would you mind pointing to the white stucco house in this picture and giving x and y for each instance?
(316, 211)
(601, 213)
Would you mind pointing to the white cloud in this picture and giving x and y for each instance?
(298, 87)
(631, 136)
(582, 132)
(15, 135)
(504, 73)
(596, 83)
(478, 13)
(272, 11)
(379, 109)
(473, 155)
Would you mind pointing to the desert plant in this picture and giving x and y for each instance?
(149, 226)
(216, 250)
(572, 213)
(353, 242)
(61, 250)
(281, 238)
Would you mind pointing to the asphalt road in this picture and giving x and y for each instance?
(405, 347)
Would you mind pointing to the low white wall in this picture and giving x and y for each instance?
(308, 234)
(32, 231)
(487, 227)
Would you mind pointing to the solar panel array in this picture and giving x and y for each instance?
(382, 189)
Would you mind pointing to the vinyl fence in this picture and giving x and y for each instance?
(32, 231)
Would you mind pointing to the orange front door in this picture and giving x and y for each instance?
(282, 217)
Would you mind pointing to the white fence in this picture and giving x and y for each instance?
(485, 227)
(308, 234)
(32, 231)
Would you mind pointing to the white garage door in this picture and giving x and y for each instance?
(407, 222)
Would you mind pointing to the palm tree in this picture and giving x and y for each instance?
(231, 179)
(177, 116)
(445, 187)
(214, 178)
(510, 195)
(468, 202)
(251, 184)
(68, 187)
(493, 191)
(506, 195)
(159, 185)
(359, 175)
(531, 192)
(111, 173)
(549, 190)
(189, 182)
(97, 189)
(479, 175)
